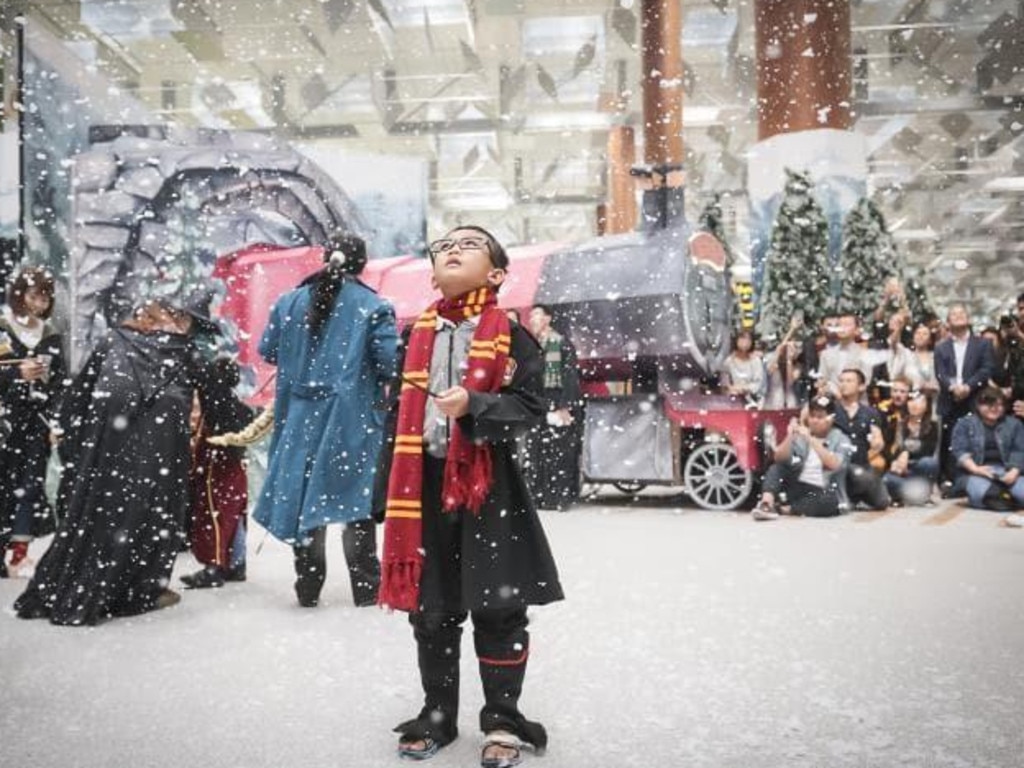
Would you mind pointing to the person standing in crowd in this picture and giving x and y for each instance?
(1014, 337)
(334, 342)
(892, 303)
(823, 337)
(807, 475)
(784, 371)
(989, 451)
(218, 480)
(863, 425)
(847, 353)
(920, 367)
(1000, 362)
(743, 370)
(461, 534)
(124, 487)
(553, 447)
(963, 365)
(912, 441)
(891, 360)
(32, 373)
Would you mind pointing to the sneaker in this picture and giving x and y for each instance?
(764, 511)
(1014, 521)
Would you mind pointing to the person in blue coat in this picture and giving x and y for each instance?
(334, 342)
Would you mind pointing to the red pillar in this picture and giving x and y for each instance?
(803, 65)
(662, 81)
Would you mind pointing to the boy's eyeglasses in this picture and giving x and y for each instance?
(445, 244)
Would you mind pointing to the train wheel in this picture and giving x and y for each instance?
(714, 478)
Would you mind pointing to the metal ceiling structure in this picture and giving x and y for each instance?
(511, 101)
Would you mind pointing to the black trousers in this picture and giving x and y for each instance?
(864, 484)
(502, 648)
(782, 478)
(359, 541)
(947, 461)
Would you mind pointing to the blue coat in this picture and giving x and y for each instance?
(327, 431)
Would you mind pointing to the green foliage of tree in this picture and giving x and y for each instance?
(868, 258)
(918, 301)
(797, 276)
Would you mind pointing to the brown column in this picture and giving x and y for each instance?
(803, 65)
(662, 81)
(620, 212)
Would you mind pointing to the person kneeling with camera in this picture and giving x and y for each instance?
(809, 465)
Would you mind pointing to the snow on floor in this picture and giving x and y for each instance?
(688, 638)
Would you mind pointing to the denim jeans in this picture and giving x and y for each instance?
(977, 486)
(925, 468)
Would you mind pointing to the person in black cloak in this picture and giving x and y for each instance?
(553, 448)
(124, 486)
(31, 375)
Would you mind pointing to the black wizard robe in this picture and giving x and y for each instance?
(500, 558)
(124, 486)
(25, 450)
(552, 455)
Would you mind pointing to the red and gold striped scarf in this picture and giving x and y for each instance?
(467, 470)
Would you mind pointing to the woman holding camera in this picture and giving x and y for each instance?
(31, 371)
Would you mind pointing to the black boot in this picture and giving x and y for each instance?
(235, 573)
(311, 568)
(502, 648)
(438, 640)
(359, 540)
(210, 576)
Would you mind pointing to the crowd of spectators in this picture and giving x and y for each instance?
(930, 409)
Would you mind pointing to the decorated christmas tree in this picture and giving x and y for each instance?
(797, 275)
(869, 257)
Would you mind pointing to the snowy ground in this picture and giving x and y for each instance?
(688, 638)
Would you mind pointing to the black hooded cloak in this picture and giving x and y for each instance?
(124, 487)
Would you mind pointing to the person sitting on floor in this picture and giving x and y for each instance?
(988, 449)
(911, 450)
(808, 468)
(863, 425)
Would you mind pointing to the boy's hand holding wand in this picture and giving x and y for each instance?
(453, 402)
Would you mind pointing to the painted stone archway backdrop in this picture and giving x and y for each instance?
(120, 204)
(154, 207)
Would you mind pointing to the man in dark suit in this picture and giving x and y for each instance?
(963, 365)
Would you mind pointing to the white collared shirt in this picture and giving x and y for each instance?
(959, 353)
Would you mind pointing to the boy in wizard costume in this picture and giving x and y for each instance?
(461, 535)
